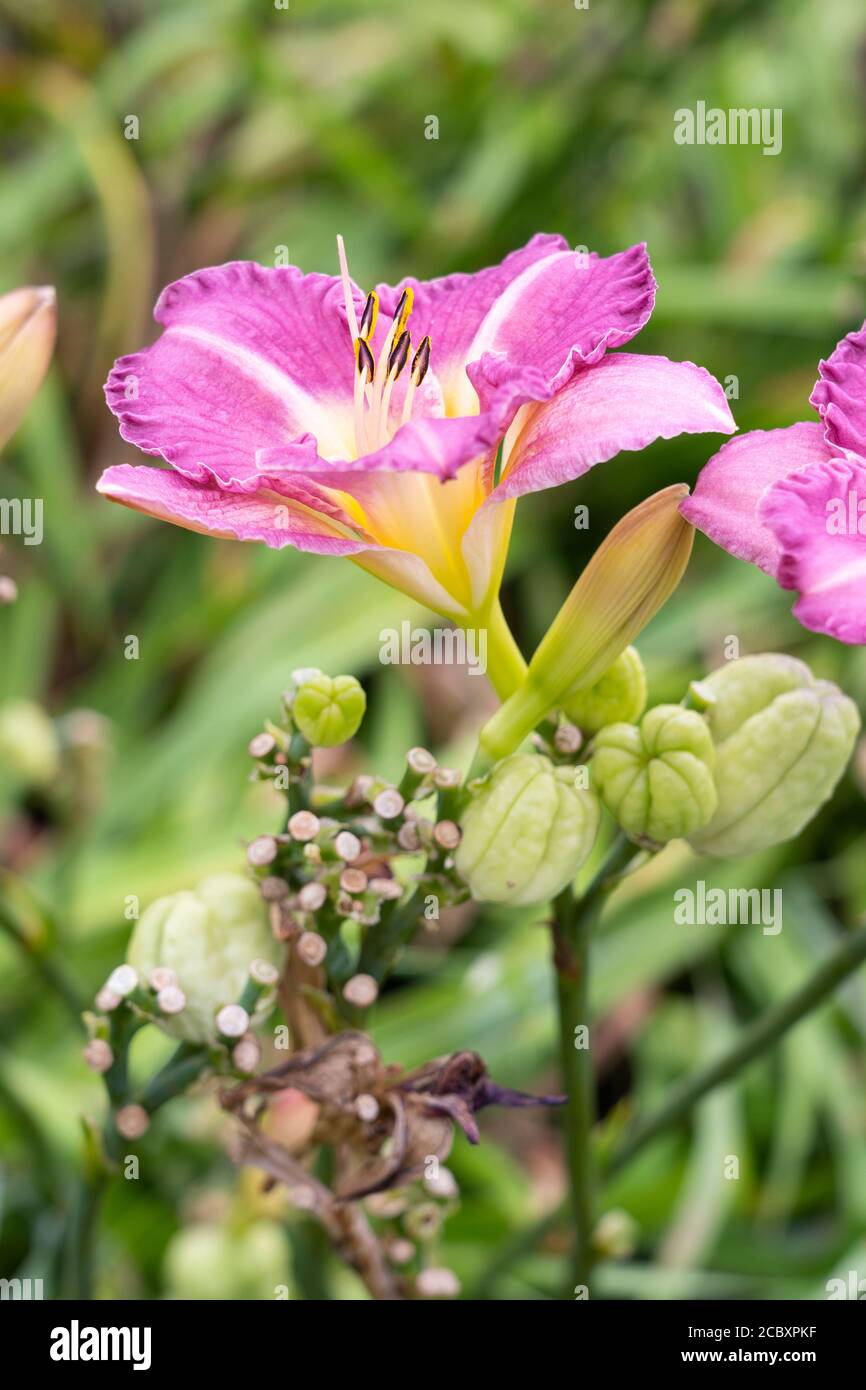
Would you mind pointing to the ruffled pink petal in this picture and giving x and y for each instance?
(816, 519)
(724, 504)
(839, 396)
(624, 402)
(544, 307)
(299, 517)
(250, 357)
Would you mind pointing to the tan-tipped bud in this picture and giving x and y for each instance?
(631, 575)
(98, 1055)
(273, 889)
(443, 1184)
(408, 837)
(303, 825)
(312, 896)
(388, 804)
(446, 833)
(353, 880)
(387, 888)
(361, 990)
(28, 326)
(132, 1121)
(421, 761)
(264, 973)
(312, 948)
(400, 1251)
(247, 1054)
(347, 845)
(446, 777)
(261, 745)
(262, 851)
(107, 1000)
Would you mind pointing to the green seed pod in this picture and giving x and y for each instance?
(783, 740)
(209, 937)
(656, 779)
(329, 711)
(619, 696)
(526, 833)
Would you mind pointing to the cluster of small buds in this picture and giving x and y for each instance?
(409, 1226)
(340, 865)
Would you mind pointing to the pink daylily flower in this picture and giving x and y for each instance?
(793, 501)
(293, 411)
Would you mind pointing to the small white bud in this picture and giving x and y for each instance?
(171, 1000)
(107, 1000)
(366, 1108)
(232, 1021)
(132, 1121)
(263, 973)
(347, 845)
(388, 804)
(161, 978)
(122, 981)
(361, 990)
(98, 1055)
(437, 1283)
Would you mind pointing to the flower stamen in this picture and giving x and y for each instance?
(420, 363)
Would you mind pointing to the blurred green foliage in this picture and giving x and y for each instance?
(260, 128)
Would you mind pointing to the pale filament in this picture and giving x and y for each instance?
(375, 383)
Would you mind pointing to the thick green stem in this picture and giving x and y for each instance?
(385, 940)
(572, 934)
(572, 986)
(505, 664)
(752, 1042)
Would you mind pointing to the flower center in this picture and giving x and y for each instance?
(375, 377)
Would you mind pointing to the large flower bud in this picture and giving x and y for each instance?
(209, 937)
(28, 324)
(656, 778)
(783, 740)
(328, 710)
(619, 696)
(526, 833)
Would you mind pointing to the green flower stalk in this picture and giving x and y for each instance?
(618, 697)
(203, 943)
(657, 779)
(783, 740)
(328, 710)
(526, 833)
(631, 575)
